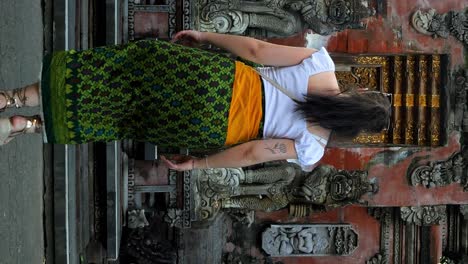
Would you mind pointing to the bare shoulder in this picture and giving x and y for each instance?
(324, 83)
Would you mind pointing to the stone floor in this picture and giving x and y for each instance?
(21, 161)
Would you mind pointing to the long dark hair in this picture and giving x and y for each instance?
(347, 114)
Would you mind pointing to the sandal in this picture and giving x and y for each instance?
(6, 127)
(14, 99)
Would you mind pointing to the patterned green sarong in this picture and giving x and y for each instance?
(148, 90)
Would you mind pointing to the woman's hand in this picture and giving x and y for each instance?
(188, 37)
(180, 162)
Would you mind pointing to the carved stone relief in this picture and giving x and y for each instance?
(225, 188)
(238, 192)
(442, 25)
(309, 240)
(274, 188)
(384, 215)
(424, 215)
(281, 17)
(147, 248)
(440, 173)
(460, 81)
(137, 219)
(457, 259)
(378, 259)
(464, 211)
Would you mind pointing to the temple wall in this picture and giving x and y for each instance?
(389, 32)
(393, 33)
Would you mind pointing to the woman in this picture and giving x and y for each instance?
(173, 95)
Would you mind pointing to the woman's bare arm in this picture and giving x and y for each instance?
(251, 49)
(246, 154)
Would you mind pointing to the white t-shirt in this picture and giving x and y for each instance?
(281, 119)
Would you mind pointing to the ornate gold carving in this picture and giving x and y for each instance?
(371, 60)
(409, 132)
(365, 138)
(422, 100)
(397, 100)
(436, 66)
(397, 128)
(398, 72)
(435, 135)
(435, 101)
(410, 63)
(409, 100)
(367, 77)
(398, 66)
(422, 138)
(347, 80)
(358, 77)
(382, 61)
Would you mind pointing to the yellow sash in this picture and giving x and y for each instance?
(245, 112)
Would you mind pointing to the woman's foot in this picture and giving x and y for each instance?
(27, 96)
(17, 125)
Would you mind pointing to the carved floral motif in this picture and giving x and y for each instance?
(424, 215)
(309, 240)
(378, 259)
(440, 173)
(442, 25)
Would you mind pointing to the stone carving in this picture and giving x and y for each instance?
(460, 81)
(378, 259)
(136, 219)
(328, 186)
(464, 211)
(440, 173)
(209, 192)
(264, 189)
(309, 240)
(281, 17)
(146, 248)
(384, 215)
(454, 258)
(243, 216)
(424, 215)
(273, 188)
(442, 25)
(173, 216)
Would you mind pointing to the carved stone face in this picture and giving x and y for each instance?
(339, 12)
(341, 188)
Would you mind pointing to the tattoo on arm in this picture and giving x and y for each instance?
(277, 148)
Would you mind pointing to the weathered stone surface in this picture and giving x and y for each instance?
(309, 240)
(21, 161)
